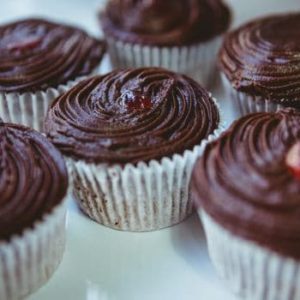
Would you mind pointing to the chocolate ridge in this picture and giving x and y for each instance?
(33, 179)
(36, 54)
(96, 121)
(165, 23)
(245, 184)
(262, 58)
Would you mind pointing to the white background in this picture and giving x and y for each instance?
(100, 263)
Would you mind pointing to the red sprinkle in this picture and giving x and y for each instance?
(24, 44)
(138, 101)
(293, 160)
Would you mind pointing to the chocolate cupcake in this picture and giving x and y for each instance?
(39, 60)
(248, 187)
(33, 185)
(131, 138)
(181, 35)
(260, 64)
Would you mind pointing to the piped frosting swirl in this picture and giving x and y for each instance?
(33, 179)
(130, 116)
(245, 183)
(263, 58)
(36, 54)
(165, 23)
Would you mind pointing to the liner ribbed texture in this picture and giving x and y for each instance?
(141, 197)
(29, 109)
(197, 61)
(251, 271)
(29, 260)
(244, 104)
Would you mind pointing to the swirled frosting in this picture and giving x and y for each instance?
(245, 183)
(165, 23)
(263, 58)
(36, 54)
(33, 178)
(131, 115)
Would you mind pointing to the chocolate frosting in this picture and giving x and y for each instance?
(36, 54)
(262, 58)
(33, 179)
(165, 23)
(131, 115)
(245, 184)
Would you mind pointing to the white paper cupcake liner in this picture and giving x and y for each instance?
(142, 197)
(197, 61)
(29, 260)
(29, 109)
(250, 270)
(244, 104)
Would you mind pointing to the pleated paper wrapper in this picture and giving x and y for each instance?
(29, 260)
(198, 61)
(142, 197)
(248, 269)
(244, 104)
(30, 108)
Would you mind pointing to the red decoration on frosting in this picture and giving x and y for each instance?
(293, 160)
(24, 43)
(138, 101)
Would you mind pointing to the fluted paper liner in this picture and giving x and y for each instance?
(250, 270)
(244, 104)
(197, 61)
(30, 109)
(29, 260)
(141, 197)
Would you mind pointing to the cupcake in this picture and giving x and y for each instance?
(248, 187)
(130, 139)
(33, 185)
(260, 64)
(39, 60)
(183, 36)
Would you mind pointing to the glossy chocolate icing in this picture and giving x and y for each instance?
(245, 183)
(33, 179)
(36, 54)
(131, 115)
(165, 23)
(263, 58)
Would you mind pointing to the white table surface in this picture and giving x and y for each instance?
(104, 264)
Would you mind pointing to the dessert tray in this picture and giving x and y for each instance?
(102, 263)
